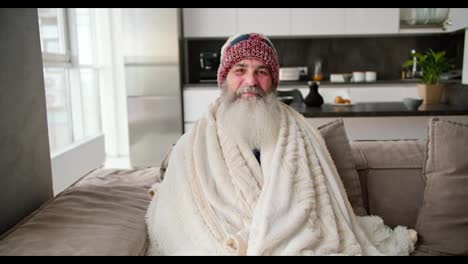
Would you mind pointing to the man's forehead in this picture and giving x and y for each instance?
(251, 63)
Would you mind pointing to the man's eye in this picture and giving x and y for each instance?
(264, 72)
(240, 70)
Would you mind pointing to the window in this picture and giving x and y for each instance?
(53, 31)
(71, 77)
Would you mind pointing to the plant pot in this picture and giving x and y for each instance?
(430, 93)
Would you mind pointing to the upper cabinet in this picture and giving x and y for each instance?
(268, 21)
(150, 34)
(317, 21)
(372, 20)
(433, 20)
(457, 19)
(223, 22)
(209, 22)
(344, 21)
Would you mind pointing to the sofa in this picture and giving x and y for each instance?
(399, 180)
(102, 214)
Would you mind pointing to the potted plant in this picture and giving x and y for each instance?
(432, 65)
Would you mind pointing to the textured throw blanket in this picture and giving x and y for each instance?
(216, 199)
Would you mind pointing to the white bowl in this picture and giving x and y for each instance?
(412, 103)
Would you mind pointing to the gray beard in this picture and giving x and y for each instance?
(251, 120)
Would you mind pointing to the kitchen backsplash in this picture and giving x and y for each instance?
(340, 54)
(455, 94)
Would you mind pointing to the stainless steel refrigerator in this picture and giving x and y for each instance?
(153, 84)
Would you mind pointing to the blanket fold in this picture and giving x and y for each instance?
(217, 200)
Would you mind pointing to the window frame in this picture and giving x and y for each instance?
(60, 59)
(86, 151)
(70, 62)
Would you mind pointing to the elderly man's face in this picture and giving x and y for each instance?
(249, 110)
(249, 73)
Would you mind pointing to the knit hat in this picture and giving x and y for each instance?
(248, 46)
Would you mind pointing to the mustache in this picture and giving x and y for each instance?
(250, 89)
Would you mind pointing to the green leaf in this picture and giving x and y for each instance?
(432, 64)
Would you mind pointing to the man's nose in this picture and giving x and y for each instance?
(251, 79)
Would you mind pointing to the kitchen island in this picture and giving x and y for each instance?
(378, 109)
(382, 120)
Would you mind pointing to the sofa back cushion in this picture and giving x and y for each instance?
(442, 223)
(390, 173)
(337, 143)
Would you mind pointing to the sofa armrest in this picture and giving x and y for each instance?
(102, 214)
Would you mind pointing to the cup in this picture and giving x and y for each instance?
(358, 77)
(371, 76)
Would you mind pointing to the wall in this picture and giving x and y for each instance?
(383, 54)
(25, 180)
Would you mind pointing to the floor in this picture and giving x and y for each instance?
(117, 163)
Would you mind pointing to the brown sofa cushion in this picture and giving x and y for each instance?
(337, 143)
(442, 222)
(103, 214)
(392, 183)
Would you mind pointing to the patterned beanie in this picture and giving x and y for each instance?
(248, 46)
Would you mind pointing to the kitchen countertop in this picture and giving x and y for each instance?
(377, 109)
(292, 83)
(209, 84)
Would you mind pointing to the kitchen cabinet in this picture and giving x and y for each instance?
(372, 20)
(328, 93)
(268, 21)
(457, 19)
(385, 128)
(358, 93)
(302, 88)
(382, 93)
(224, 22)
(317, 21)
(196, 102)
(344, 21)
(209, 22)
(188, 126)
(150, 35)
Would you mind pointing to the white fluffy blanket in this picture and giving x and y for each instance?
(217, 200)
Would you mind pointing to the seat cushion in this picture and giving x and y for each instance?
(103, 214)
(337, 143)
(442, 223)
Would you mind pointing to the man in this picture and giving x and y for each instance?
(253, 178)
